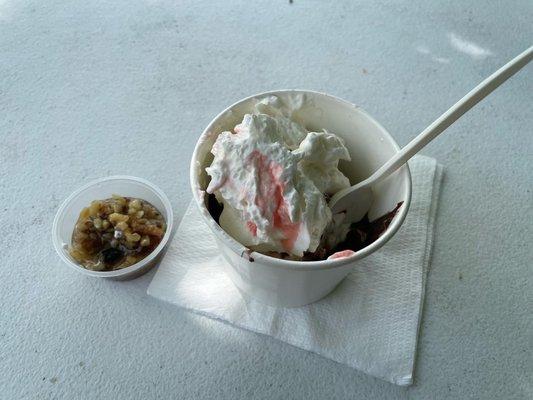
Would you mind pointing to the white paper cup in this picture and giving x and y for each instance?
(285, 283)
(104, 188)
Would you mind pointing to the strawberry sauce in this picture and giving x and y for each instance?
(269, 198)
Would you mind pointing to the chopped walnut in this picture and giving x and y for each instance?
(115, 233)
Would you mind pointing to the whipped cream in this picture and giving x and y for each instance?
(272, 176)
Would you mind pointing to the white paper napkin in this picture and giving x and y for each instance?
(370, 322)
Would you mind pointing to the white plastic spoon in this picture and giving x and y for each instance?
(356, 200)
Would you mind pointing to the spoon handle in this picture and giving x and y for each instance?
(453, 114)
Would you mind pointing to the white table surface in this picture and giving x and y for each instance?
(92, 88)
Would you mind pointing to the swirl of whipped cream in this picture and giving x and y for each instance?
(272, 177)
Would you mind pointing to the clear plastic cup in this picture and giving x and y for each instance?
(104, 188)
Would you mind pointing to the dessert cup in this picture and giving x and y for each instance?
(104, 188)
(287, 283)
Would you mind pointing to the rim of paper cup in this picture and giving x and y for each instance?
(58, 219)
(239, 248)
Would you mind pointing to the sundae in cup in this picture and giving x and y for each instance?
(270, 182)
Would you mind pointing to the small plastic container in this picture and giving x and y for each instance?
(103, 188)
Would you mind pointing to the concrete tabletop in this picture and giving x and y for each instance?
(93, 88)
